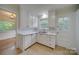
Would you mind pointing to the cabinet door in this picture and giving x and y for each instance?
(47, 40)
(52, 41)
(33, 38)
(26, 41)
(42, 38)
(52, 20)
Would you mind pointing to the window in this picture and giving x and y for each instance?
(43, 22)
(63, 23)
(7, 21)
(6, 25)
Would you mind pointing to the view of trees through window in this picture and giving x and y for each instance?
(7, 21)
(6, 25)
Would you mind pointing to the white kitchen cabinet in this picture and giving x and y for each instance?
(48, 40)
(42, 38)
(52, 39)
(51, 17)
(33, 38)
(26, 41)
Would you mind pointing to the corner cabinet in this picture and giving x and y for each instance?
(48, 40)
(25, 41)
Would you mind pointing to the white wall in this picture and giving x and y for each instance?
(77, 30)
(51, 18)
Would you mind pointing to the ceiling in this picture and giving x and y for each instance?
(38, 8)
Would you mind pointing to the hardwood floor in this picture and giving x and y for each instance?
(39, 49)
(36, 49)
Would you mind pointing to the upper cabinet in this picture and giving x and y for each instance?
(28, 19)
(24, 17)
(51, 18)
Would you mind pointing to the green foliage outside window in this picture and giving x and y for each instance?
(6, 26)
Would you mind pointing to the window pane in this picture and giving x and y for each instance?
(7, 21)
(63, 23)
(6, 25)
(44, 23)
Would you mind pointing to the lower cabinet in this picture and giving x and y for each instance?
(27, 41)
(24, 41)
(48, 40)
(52, 40)
(43, 39)
(33, 38)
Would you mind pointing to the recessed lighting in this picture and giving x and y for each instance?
(44, 15)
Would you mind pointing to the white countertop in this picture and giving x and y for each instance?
(29, 32)
(49, 33)
(34, 32)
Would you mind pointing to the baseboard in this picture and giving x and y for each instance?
(67, 48)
